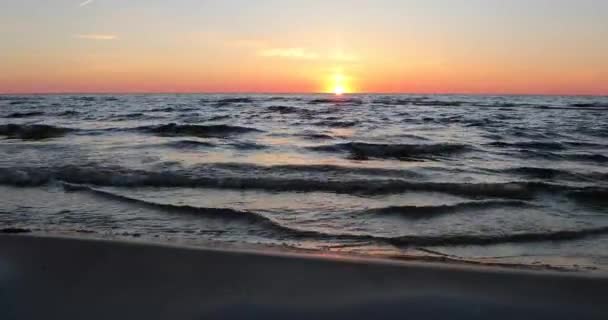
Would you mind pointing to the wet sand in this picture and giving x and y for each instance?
(69, 278)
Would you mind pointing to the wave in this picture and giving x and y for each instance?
(336, 124)
(17, 115)
(215, 212)
(33, 131)
(423, 212)
(469, 239)
(289, 110)
(83, 98)
(230, 101)
(578, 157)
(314, 136)
(271, 179)
(217, 131)
(337, 101)
(190, 144)
(247, 217)
(593, 197)
(550, 173)
(14, 230)
(130, 116)
(218, 118)
(540, 145)
(20, 102)
(399, 101)
(68, 113)
(416, 101)
(402, 241)
(248, 146)
(593, 157)
(165, 109)
(596, 105)
(363, 151)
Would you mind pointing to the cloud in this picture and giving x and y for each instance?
(289, 53)
(96, 36)
(85, 3)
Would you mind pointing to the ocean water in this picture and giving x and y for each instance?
(483, 179)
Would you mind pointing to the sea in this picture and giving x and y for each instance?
(517, 181)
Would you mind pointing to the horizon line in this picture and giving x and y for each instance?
(299, 93)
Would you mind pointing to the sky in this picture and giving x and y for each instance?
(383, 46)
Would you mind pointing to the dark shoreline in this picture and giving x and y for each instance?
(69, 278)
(426, 256)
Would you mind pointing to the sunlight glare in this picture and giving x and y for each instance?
(338, 84)
(338, 90)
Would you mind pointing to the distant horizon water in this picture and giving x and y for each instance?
(362, 93)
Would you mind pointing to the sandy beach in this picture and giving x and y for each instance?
(69, 278)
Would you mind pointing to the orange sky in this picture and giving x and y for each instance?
(437, 46)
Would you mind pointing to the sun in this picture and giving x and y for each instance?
(338, 84)
(339, 90)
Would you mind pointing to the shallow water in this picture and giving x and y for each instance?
(514, 179)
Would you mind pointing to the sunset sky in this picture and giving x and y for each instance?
(410, 46)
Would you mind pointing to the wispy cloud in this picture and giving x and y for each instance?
(289, 53)
(96, 36)
(85, 3)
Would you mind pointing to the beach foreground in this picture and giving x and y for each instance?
(68, 278)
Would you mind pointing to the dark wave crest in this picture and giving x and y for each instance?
(592, 106)
(289, 110)
(314, 136)
(25, 114)
(337, 101)
(416, 101)
(336, 124)
(218, 131)
(414, 240)
(590, 157)
(190, 144)
(271, 179)
(539, 145)
(32, 132)
(230, 101)
(459, 240)
(246, 217)
(423, 212)
(362, 151)
(550, 173)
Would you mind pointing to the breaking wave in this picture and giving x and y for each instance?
(540, 145)
(25, 114)
(32, 132)
(459, 240)
(362, 151)
(190, 144)
(269, 178)
(230, 101)
(413, 240)
(423, 212)
(247, 217)
(217, 131)
(550, 173)
(337, 101)
(289, 110)
(336, 124)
